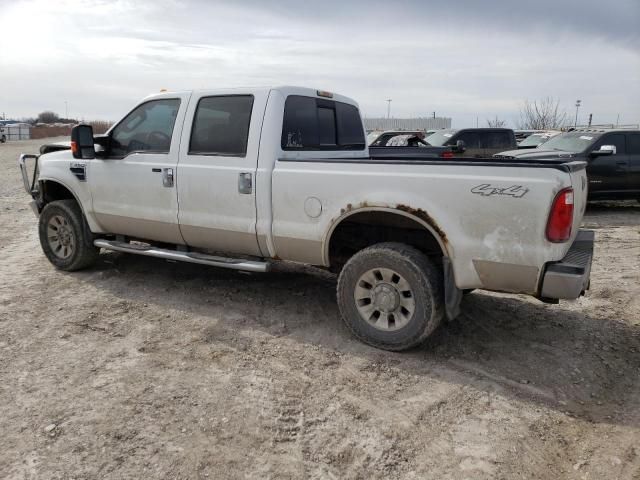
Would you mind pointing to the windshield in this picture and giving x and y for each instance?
(438, 139)
(572, 141)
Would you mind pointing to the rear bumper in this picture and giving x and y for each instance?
(569, 278)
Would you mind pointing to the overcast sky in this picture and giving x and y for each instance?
(463, 59)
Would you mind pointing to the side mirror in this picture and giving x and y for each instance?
(82, 142)
(460, 146)
(605, 150)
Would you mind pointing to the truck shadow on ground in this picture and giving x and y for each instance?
(603, 214)
(549, 355)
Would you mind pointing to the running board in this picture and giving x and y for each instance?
(190, 257)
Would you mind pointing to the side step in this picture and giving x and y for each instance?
(190, 257)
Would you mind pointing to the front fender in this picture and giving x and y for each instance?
(57, 167)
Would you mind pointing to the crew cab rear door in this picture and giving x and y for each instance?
(633, 152)
(217, 169)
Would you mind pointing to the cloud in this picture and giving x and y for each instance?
(465, 59)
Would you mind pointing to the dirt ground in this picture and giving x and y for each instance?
(140, 368)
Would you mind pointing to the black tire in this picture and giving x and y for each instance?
(3, 139)
(414, 269)
(66, 215)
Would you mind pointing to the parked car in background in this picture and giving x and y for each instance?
(384, 139)
(612, 156)
(474, 142)
(536, 139)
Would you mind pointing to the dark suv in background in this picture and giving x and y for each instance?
(474, 142)
(613, 157)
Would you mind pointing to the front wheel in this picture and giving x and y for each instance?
(390, 296)
(64, 237)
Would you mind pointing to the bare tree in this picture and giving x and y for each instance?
(495, 122)
(48, 117)
(542, 114)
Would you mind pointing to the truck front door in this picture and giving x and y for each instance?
(133, 189)
(471, 140)
(217, 170)
(608, 174)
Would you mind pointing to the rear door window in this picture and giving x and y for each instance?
(221, 126)
(318, 124)
(495, 140)
(633, 143)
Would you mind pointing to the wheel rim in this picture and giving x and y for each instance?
(384, 299)
(60, 237)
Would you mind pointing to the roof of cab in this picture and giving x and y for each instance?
(285, 90)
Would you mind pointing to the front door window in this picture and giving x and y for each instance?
(147, 129)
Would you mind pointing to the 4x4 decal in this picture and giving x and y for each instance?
(486, 190)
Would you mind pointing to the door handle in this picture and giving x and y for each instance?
(156, 170)
(167, 177)
(621, 165)
(245, 183)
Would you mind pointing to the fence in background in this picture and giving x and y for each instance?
(428, 123)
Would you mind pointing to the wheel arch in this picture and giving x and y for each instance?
(411, 218)
(52, 189)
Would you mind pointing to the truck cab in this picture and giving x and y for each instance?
(475, 142)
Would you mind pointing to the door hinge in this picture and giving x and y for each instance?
(245, 183)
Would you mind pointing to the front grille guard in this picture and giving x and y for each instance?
(30, 186)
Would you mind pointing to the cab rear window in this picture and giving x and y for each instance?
(319, 124)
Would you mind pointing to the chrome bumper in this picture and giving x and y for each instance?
(29, 186)
(569, 278)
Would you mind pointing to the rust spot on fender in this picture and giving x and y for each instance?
(422, 215)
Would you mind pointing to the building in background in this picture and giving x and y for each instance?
(420, 123)
(16, 131)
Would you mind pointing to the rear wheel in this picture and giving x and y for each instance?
(391, 296)
(64, 237)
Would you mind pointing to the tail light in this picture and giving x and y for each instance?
(447, 154)
(561, 217)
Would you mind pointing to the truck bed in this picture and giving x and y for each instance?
(427, 156)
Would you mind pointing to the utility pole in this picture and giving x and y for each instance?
(590, 118)
(388, 107)
(434, 114)
(578, 102)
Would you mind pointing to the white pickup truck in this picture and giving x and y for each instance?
(242, 178)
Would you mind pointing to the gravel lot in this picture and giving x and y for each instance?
(141, 368)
